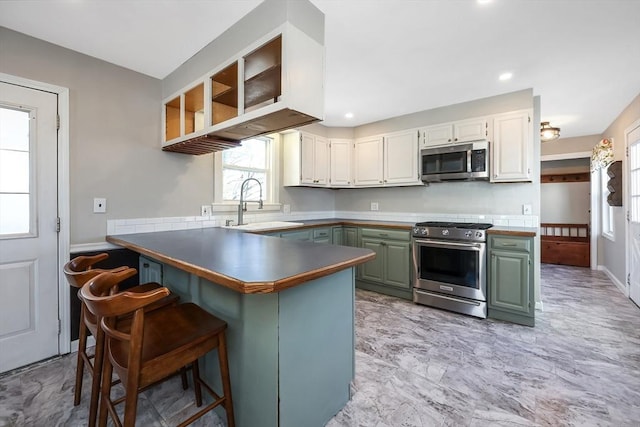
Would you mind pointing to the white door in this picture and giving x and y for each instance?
(633, 230)
(401, 158)
(28, 236)
(368, 155)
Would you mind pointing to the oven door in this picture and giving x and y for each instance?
(452, 268)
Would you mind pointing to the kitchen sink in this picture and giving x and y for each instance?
(264, 226)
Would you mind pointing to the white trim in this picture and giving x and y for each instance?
(91, 341)
(92, 247)
(595, 219)
(539, 306)
(615, 280)
(565, 156)
(626, 196)
(64, 312)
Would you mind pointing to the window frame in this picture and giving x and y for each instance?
(272, 173)
(607, 225)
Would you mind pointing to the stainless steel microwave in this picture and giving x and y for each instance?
(467, 161)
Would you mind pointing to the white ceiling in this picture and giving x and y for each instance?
(386, 58)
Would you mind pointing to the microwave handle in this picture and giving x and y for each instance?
(469, 157)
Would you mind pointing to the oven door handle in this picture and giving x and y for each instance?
(452, 245)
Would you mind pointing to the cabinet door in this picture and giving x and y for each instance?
(320, 161)
(437, 135)
(470, 130)
(509, 281)
(302, 235)
(397, 267)
(340, 160)
(401, 158)
(337, 236)
(368, 164)
(350, 236)
(373, 270)
(307, 149)
(512, 148)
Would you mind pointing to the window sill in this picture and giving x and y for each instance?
(251, 207)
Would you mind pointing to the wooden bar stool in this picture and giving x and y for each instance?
(78, 271)
(153, 345)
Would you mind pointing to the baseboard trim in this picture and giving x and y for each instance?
(90, 343)
(621, 286)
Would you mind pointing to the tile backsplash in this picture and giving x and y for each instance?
(146, 225)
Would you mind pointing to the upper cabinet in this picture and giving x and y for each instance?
(306, 160)
(387, 160)
(512, 147)
(340, 162)
(274, 84)
(455, 132)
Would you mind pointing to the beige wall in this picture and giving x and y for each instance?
(612, 254)
(579, 144)
(114, 138)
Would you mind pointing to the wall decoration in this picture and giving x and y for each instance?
(602, 154)
(615, 184)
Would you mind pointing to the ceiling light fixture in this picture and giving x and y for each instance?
(548, 133)
(505, 76)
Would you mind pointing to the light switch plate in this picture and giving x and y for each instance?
(374, 206)
(99, 205)
(205, 210)
(526, 209)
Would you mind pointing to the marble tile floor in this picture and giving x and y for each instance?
(418, 366)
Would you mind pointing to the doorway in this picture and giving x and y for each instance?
(33, 199)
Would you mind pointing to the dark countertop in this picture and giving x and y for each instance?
(245, 262)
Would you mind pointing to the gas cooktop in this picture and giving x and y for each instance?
(474, 232)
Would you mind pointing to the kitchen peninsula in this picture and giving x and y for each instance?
(290, 310)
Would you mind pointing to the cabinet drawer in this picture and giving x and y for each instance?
(297, 235)
(511, 244)
(386, 234)
(321, 233)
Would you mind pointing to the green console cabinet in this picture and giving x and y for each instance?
(390, 272)
(511, 293)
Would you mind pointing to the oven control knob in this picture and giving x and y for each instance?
(468, 233)
(424, 231)
(478, 234)
(445, 232)
(416, 230)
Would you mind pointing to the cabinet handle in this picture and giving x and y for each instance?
(449, 140)
(455, 139)
(145, 265)
(509, 244)
(383, 234)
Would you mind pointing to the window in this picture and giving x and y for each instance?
(634, 181)
(254, 159)
(606, 210)
(15, 170)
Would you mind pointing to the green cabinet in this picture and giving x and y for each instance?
(511, 290)
(337, 235)
(300, 235)
(322, 235)
(350, 236)
(390, 271)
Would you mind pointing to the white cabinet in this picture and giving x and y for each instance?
(306, 159)
(387, 161)
(340, 165)
(275, 83)
(401, 158)
(455, 132)
(368, 157)
(512, 147)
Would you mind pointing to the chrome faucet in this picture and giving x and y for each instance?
(243, 203)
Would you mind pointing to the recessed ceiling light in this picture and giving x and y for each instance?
(484, 1)
(349, 115)
(505, 76)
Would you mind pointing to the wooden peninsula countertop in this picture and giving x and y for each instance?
(245, 262)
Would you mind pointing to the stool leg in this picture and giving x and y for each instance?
(226, 383)
(105, 392)
(82, 349)
(183, 375)
(195, 370)
(97, 375)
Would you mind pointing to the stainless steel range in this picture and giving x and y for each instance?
(449, 261)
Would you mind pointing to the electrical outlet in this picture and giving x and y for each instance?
(205, 210)
(374, 206)
(526, 209)
(99, 205)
